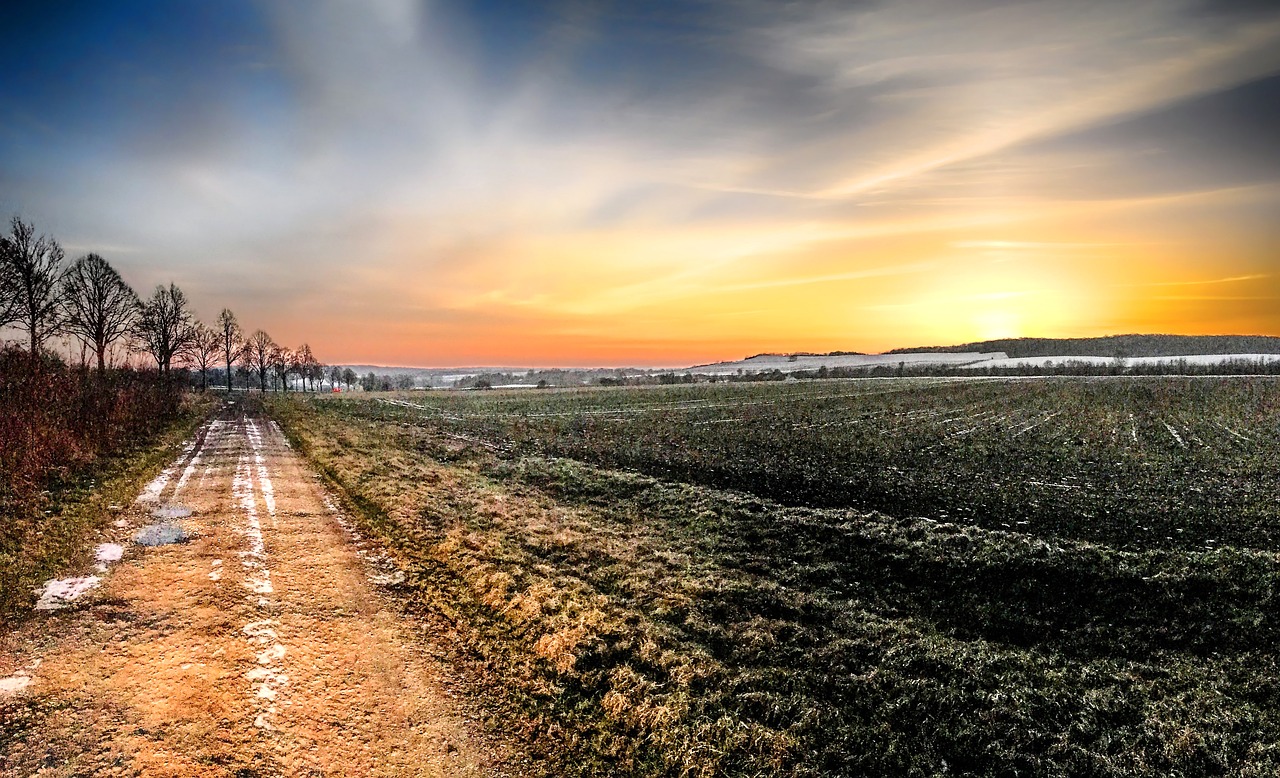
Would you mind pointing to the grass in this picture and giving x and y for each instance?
(633, 615)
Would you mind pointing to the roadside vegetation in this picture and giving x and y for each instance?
(74, 444)
(1049, 578)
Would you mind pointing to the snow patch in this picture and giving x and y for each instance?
(265, 680)
(20, 680)
(58, 593)
(268, 491)
(108, 552)
(259, 578)
(381, 569)
(264, 478)
(151, 492)
(276, 428)
(188, 472)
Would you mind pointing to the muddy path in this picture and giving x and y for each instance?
(258, 645)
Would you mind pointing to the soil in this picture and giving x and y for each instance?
(256, 645)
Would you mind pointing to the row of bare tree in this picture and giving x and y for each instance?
(43, 296)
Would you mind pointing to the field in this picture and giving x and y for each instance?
(879, 577)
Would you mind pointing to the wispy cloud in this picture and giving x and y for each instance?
(1211, 281)
(978, 79)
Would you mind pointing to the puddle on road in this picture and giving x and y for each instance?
(161, 534)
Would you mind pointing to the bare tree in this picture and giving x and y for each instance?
(302, 359)
(203, 351)
(283, 363)
(100, 307)
(308, 367)
(30, 295)
(335, 376)
(348, 377)
(8, 286)
(257, 355)
(164, 326)
(229, 334)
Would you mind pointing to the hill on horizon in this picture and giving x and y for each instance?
(1132, 345)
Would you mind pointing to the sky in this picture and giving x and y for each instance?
(616, 183)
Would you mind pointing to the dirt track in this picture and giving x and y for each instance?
(257, 648)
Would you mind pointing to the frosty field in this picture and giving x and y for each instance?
(879, 577)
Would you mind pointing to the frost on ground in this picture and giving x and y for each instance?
(380, 567)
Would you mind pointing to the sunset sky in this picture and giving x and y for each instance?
(581, 183)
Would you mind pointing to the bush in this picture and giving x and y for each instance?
(57, 424)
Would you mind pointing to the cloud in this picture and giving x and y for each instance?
(967, 80)
(1213, 281)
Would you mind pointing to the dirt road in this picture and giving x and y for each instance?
(257, 646)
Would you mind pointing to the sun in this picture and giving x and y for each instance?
(997, 324)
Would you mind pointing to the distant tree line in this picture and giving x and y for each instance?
(541, 379)
(44, 296)
(1064, 367)
(372, 382)
(1115, 346)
